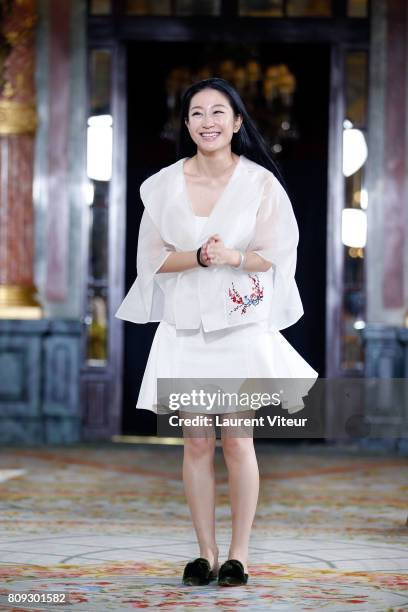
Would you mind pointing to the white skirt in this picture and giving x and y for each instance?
(246, 353)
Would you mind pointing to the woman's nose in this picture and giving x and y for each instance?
(208, 122)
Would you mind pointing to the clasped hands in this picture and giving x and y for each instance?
(214, 252)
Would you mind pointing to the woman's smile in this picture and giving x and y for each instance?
(209, 135)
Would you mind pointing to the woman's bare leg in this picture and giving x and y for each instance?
(243, 480)
(199, 487)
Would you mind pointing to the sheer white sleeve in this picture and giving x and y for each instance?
(276, 238)
(145, 300)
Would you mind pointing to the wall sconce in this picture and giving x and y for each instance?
(99, 148)
(354, 227)
(354, 149)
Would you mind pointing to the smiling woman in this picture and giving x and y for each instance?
(216, 264)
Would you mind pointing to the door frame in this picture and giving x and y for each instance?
(116, 32)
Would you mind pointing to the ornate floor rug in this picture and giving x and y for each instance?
(108, 527)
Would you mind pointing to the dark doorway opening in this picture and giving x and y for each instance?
(303, 161)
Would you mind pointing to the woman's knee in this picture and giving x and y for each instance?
(197, 447)
(235, 447)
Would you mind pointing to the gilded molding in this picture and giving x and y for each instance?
(17, 117)
(19, 302)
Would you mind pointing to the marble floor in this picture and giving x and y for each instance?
(109, 526)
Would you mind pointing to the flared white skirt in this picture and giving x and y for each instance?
(245, 353)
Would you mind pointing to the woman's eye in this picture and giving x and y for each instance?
(197, 113)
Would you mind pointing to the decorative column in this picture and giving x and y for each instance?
(17, 128)
(385, 334)
(387, 213)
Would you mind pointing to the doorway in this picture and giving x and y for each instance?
(151, 146)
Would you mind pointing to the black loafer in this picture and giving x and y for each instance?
(232, 573)
(198, 572)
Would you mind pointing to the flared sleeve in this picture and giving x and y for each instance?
(145, 300)
(152, 252)
(276, 239)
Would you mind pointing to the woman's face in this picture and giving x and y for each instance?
(211, 122)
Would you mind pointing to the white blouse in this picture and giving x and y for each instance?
(254, 213)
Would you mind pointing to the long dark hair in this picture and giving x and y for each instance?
(247, 141)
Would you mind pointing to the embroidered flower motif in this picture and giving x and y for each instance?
(244, 302)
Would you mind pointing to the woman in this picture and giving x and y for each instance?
(216, 263)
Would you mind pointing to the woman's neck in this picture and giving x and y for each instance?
(214, 164)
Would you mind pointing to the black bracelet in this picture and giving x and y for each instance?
(199, 260)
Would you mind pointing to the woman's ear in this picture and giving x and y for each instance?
(238, 123)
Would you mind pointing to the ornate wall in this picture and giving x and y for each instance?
(42, 218)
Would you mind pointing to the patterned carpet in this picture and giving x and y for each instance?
(109, 525)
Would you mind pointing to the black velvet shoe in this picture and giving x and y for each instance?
(232, 573)
(198, 572)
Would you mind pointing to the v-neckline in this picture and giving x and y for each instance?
(185, 191)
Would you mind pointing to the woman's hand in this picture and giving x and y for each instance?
(204, 255)
(218, 254)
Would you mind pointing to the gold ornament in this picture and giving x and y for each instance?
(17, 117)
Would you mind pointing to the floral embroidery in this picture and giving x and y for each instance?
(244, 302)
